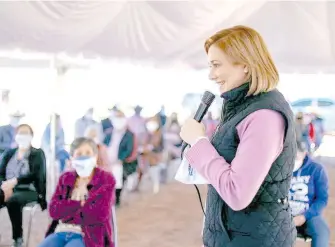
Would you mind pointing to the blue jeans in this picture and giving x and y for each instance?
(318, 230)
(63, 239)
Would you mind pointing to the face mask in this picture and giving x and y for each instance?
(84, 165)
(119, 123)
(14, 122)
(152, 126)
(23, 140)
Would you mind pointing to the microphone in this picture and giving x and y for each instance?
(206, 101)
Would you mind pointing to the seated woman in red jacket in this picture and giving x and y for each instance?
(81, 205)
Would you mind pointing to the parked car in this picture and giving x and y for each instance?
(325, 107)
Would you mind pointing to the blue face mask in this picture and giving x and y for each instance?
(84, 165)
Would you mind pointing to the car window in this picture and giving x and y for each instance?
(324, 103)
(302, 103)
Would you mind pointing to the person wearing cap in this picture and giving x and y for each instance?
(7, 132)
(137, 125)
(61, 154)
(83, 123)
(107, 126)
(122, 152)
(308, 198)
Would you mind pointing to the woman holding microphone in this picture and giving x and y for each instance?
(250, 158)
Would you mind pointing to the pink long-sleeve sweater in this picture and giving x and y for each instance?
(261, 137)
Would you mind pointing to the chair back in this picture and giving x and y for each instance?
(114, 225)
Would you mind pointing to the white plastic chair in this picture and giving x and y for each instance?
(32, 207)
(114, 225)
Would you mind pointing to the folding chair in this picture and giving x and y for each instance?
(32, 208)
(114, 225)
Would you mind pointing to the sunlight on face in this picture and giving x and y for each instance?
(83, 150)
(226, 74)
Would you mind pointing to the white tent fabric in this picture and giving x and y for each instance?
(300, 35)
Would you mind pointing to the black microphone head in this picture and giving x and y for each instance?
(208, 98)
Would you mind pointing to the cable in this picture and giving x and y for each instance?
(199, 195)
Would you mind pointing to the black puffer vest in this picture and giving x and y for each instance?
(267, 221)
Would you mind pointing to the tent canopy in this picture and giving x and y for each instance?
(300, 35)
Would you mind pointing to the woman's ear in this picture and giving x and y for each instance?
(246, 69)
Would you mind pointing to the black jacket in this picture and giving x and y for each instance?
(2, 198)
(37, 174)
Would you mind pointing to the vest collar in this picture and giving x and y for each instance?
(237, 94)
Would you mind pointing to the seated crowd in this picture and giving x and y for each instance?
(81, 206)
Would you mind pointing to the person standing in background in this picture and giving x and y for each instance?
(137, 125)
(302, 129)
(7, 132)
(61, 154)
(162, 116)
(153, 151)
(83, 123)
(122, 151)
(93, 132)
(318, 124)
(107, 126)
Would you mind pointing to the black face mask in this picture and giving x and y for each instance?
(299, 118)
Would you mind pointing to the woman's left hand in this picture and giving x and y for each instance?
(9, 184)
(191, 131)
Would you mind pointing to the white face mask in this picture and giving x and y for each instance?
(23, 140)
(84, 165)
(119, 123)
(152, 126)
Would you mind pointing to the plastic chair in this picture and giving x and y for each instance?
(304, 237)
(32, 208)
(114, 225)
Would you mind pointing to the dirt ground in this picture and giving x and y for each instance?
(169, 219)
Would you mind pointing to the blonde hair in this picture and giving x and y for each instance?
(243, 45)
